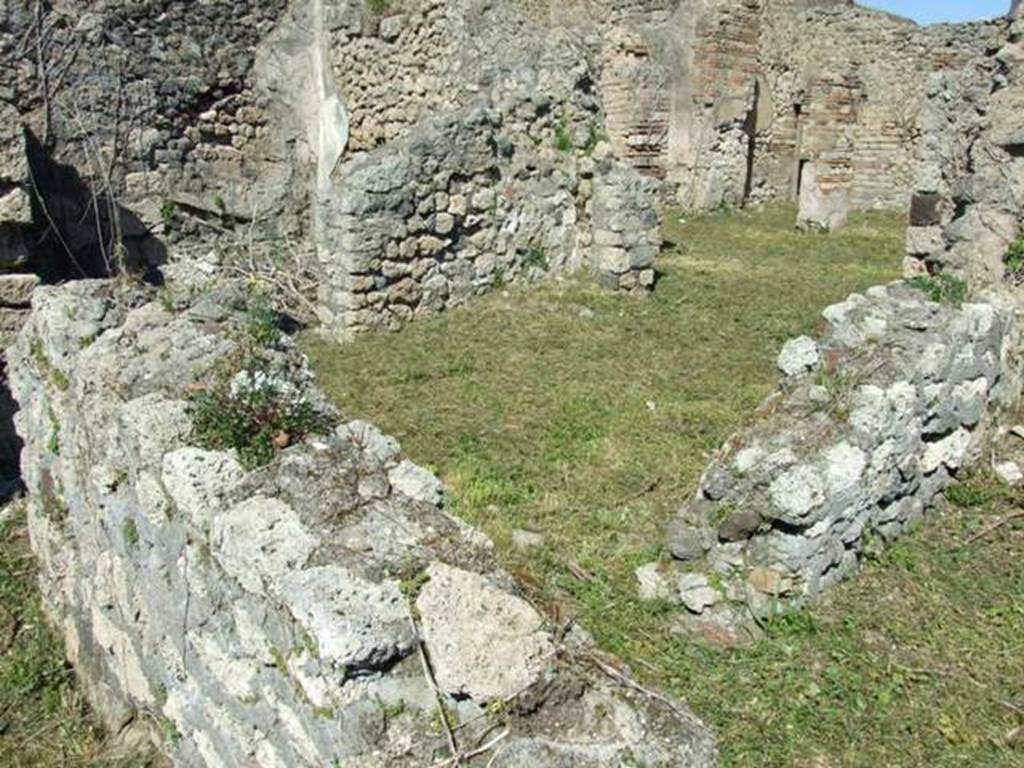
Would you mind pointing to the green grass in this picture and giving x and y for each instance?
(44, 721)
(537, 417)
(591, 430)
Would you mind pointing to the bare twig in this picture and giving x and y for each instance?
(44, 84)
(103, 188)
(579, 571)
(483, 715)
(12, 633)
(428, 673)
(273, 279)
(995, 526)
(483, 749)
(649, 488)
(1011, 706)
(53, 224)
(623, 679)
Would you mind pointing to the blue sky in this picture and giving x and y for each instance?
(929, 11)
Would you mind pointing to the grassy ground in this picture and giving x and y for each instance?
(585, 417)
(44, 721)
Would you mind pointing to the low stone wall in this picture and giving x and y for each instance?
(276, 617)
(871, 422)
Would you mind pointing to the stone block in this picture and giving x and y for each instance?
(16, 290)
(924, 241)
(483, 642)
(799, 356)
(824, 202)
(926, 210)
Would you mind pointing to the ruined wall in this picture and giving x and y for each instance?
(878, 416)
(729, 101)
(171, 85)
(17, 281)
(640, 66)
(274, 617)
(870, 423)
(968, 206)
(393, 70)
(245, 123)
(850, 83)
(512, 181)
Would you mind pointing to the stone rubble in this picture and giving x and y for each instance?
(263, 123)
(1009, 472)
(444, 199)
(427, 155)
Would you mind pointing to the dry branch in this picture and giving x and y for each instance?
(623, 679)
(483, 749)
(428, 673)
(994, 527)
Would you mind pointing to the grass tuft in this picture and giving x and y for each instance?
(942, 288)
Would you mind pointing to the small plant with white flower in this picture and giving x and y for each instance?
(258, 403)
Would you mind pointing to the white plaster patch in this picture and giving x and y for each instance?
(798, 492)
(844, 467)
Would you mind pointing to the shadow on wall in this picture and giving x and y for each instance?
(10, 442)
(72, 236)
(75, 227)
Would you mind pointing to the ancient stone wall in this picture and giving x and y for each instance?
(515, 181)
(170, 85)
(871, 422)
(968, 206)
(277, 617)
(237, 120)
(850, 82)
(639, 67)
(878, 416)
(729, 101)
(905, 386)
(468, 203)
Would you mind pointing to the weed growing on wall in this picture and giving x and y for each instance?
(1014, 260)
(594, 137)
(563, 139)
(536, 257)
(943, 288)
(262, 323)
(256, 403)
